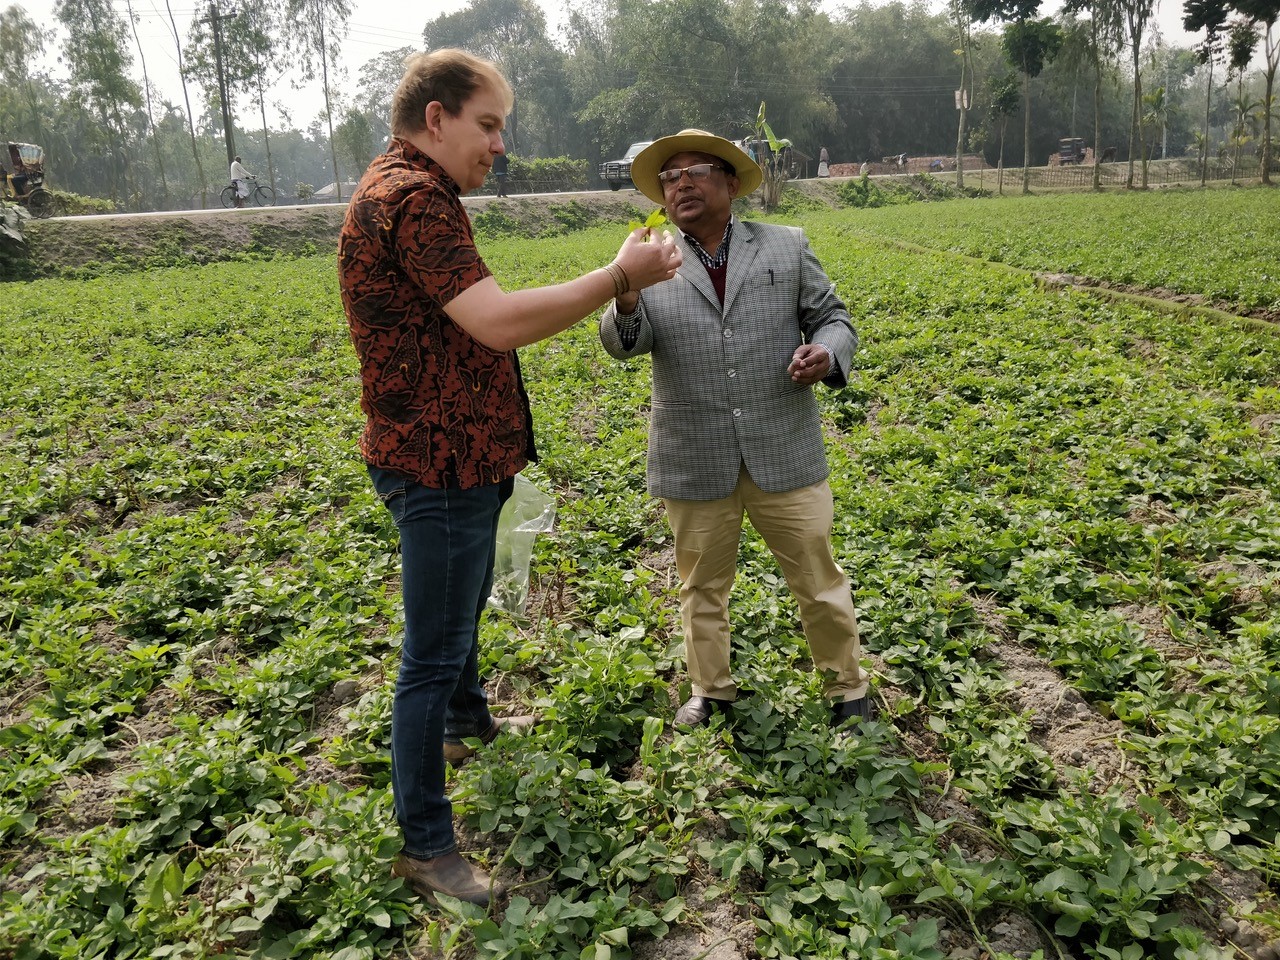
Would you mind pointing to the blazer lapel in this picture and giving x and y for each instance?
(693, 271)
(742, 253)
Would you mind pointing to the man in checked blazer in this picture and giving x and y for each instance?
(739, 337)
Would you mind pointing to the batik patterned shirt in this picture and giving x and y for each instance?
(441, 407)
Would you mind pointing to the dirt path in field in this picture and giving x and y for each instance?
(1077, 736)
(1062, 721)
(1156, 298)
(1160, 294)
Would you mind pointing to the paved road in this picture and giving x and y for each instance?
(213, 211)
(234, 212)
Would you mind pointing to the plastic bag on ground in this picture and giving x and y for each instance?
(528, 513)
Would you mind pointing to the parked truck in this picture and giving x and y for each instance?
(617, 173)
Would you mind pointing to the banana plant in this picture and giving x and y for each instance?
(775, 165)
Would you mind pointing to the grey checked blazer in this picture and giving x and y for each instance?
(721, 393)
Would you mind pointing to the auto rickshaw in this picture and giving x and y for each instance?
(24, 182)
(1071, 151)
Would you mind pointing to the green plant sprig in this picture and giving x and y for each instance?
(655, 219)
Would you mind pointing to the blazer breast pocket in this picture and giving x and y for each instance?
(774, 278)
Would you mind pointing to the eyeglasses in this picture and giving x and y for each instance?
(696, 172)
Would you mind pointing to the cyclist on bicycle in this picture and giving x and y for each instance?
(240, 178)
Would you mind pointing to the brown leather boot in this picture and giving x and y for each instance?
(449, 874)
(457, 753)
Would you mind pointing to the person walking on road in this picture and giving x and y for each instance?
(500, 168)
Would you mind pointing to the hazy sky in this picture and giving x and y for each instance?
(376, 26)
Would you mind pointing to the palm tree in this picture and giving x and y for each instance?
(1201, 144)
(1136, 15)
(1245, 112)
(1154, 117)
(1241, 41)
(1106, 35)
(1264, 15)
(1211, 17)
(1004, 101)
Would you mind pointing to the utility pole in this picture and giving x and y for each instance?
(215, 22)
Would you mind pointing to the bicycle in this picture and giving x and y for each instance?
(40, 203)
(260, 196)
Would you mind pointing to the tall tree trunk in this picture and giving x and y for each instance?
(266, 136)
(1136, 119)
(1146, 150)
(116, 176)
(1164, 118)
(191, 129)
(1026, 133)
(151, 123)
(33, 101)
(120, 165)
(965, 70)
(1268, 102)
(1208, 102)
(328, 105)
(128, 170)
(1075, 96)
(1239, 131)
(224, 89)
(1004, 123)
(1097, 120)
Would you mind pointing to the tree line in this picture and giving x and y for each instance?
(866, 83)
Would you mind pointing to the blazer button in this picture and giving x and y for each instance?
(732, 373)
(737, 412)
(728, 333)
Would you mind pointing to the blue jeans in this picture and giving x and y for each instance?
(447, 540)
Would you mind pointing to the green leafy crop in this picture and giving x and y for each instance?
(201, 627)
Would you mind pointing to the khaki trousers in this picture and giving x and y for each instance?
(796, 526)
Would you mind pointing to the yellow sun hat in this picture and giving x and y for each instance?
(648, 162)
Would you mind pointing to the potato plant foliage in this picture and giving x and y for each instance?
(1222, 244)
(200, 610)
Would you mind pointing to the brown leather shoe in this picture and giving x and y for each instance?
(451, 875)
(457, 753)
(698, 710)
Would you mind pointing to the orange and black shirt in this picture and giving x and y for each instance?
(441, 407)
